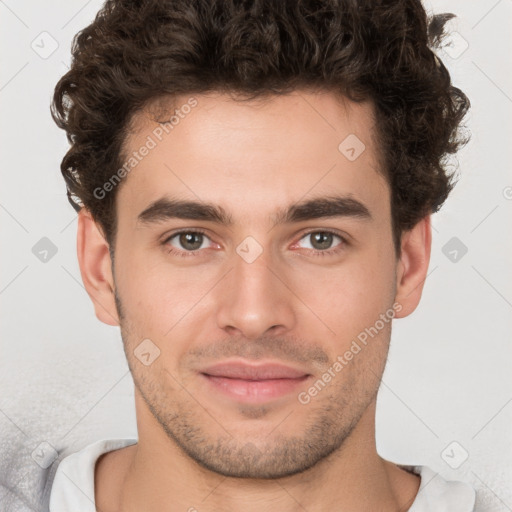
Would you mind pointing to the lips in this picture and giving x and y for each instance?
(240, 381)
(243, 371)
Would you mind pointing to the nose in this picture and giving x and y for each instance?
(256, 299)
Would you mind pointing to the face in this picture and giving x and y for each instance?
(255, 278)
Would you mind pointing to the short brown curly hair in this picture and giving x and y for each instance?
(139, 51)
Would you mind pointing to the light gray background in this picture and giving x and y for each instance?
(63, 375)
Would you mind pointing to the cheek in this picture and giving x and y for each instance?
(157, 296)
(351, 296)
(160, 299)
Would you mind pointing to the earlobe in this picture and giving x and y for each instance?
(95, 268)
(413, 266)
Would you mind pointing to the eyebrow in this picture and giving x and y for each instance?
(323, 207)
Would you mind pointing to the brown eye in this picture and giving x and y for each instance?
(191, 241)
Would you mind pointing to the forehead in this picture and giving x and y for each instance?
(250, 156)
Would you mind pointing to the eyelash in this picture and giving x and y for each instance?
(186, 254)
(183, 254)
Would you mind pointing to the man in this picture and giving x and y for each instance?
(254, 183)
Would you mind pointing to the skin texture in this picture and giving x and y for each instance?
(292, 304)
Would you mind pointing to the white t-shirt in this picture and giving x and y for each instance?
(73, 485)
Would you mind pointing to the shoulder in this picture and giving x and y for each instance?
(74, 486)
(437, 493)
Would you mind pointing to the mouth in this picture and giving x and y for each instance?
(253, 383)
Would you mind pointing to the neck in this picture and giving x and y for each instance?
(155, 474)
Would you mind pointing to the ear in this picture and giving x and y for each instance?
(96, 268)
(412, 266)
